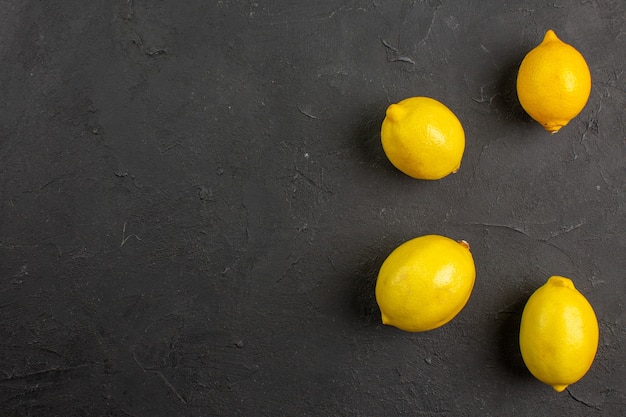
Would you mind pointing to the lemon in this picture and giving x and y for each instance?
(558, 333)
(553, 83)
(423, 138)
(425, 282)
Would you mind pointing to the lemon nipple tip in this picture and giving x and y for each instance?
(550, 36)
(395, 112)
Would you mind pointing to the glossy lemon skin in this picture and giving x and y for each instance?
(423, 138)
(553, 83)
(425, 282)
(558, 333)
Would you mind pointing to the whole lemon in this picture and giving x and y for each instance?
(423, 138)
(425, 282)
(553, 83)
(558, 334)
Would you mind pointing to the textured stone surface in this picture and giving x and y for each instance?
(194, 205)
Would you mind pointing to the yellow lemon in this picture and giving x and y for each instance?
(423, 138)
(553, 83)
(558, 334)
(425, 282)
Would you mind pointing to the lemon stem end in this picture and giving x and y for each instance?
(561, 282)
(559, 388)
(553, 128)
(464, 243)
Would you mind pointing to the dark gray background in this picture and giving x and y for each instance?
(195, 204)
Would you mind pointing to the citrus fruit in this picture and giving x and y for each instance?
(553, 83)
(558, 333)
(425, 282)
(423, 138)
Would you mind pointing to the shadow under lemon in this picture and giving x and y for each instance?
(363, 296)
(506, 335)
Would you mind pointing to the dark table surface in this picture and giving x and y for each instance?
(195, 204)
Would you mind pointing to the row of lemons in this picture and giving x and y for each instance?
(425, 282)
